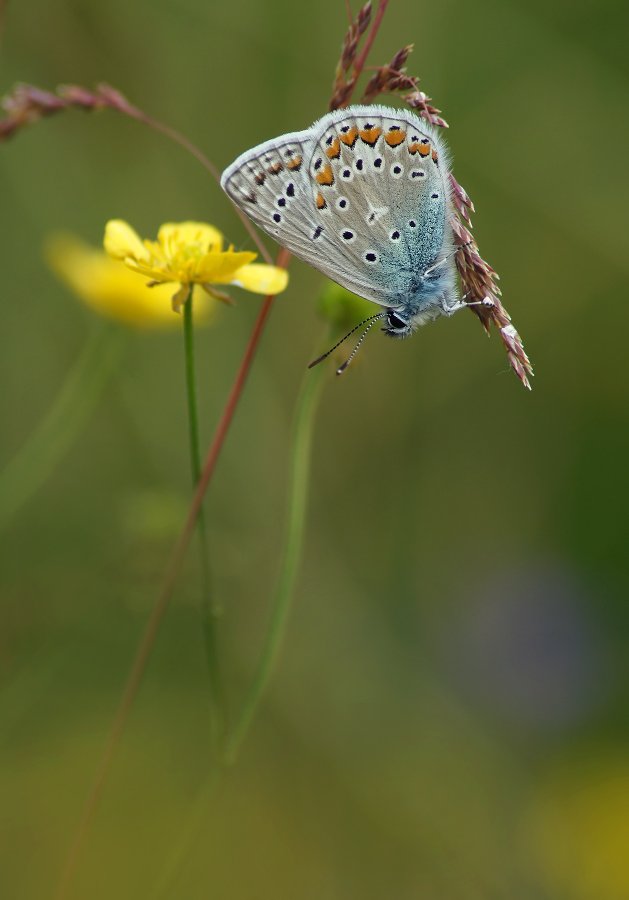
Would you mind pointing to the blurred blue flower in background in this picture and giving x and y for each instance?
(525, 647)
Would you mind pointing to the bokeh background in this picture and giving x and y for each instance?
(449, 716)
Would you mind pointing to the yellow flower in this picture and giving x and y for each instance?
(111, 290)
(190, 253)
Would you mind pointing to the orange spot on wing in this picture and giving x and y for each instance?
(320, 201)
(435, 156)
(350, 137)
(260, 178)
(370, 135)
(275, 169)
(295, 164)
(325, 176)
(334, 150)
(422, 149)
(395, 138)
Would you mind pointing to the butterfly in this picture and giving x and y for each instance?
(363, 195)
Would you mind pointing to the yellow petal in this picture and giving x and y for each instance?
(121, 241)
(111, 289)
(158, 275)
(221, 268)
(175, 235)
(261, 279)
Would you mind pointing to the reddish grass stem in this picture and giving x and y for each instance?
(174, 565)
(26, 104)
(373, 31)
(179, 551)
(183, 141)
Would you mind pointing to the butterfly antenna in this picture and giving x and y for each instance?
(370, 319)
(342, 368)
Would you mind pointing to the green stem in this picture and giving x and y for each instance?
(301, 444)
(291, 557)
(71, 409)
(186, 836)
(209, 612)
(191, 387)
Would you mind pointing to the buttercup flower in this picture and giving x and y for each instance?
(110, 289)
(189, 253)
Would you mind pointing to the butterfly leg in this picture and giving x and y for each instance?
(450, 309)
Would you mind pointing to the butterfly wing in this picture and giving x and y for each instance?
(270, 183)
(362, 196)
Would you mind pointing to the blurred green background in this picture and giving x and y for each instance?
(449, 717)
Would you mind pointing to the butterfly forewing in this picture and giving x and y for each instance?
(266, 183)
(362, 196)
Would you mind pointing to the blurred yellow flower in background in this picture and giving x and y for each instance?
(578, 830)
(112, 290)
(189, 253)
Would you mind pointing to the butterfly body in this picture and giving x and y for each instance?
(363, 196)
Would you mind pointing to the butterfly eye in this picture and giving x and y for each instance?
(396, 322)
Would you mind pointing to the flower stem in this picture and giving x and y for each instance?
(186, 836)
(151, 628)
(303, 429)
(191, 387)
(209, 611)
(70, 411)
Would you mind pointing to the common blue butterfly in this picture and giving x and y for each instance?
(363, 196)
